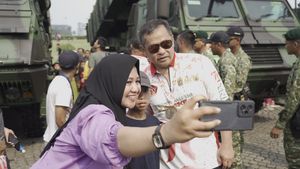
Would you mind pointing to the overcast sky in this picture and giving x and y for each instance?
(70, 12)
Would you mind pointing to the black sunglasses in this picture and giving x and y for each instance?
(166, 44)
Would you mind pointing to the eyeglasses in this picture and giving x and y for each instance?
(166, 44)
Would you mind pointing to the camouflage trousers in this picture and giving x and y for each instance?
(237, 147)
(291, 148)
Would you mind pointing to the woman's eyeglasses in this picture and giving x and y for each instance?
(166, 44)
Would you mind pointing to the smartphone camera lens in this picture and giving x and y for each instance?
(243, 108)
(250, 108)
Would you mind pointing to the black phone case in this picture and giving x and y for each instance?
(12, 139)
(234, 115)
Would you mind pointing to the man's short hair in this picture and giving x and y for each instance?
(78, 49)
(150, 26)
(102, 42)
(134, 43)
(188, 37)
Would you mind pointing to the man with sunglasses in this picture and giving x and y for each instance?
(236, 35)
(176, 77)
(243, 67)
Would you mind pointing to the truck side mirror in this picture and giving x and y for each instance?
(163, 9)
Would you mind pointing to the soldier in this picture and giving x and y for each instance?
(291, 144)
(227, 63)
(227, 70)
(202, 47)
(236, 35)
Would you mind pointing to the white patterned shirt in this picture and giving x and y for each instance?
(190, 75)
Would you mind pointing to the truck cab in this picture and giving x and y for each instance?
(263, 22)
(24, 59)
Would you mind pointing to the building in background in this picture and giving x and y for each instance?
(63, 30)
(81, 31)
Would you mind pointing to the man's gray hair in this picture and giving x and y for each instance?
(150, 26)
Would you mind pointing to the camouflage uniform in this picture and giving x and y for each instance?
(209, 55)
(291, 145)
(228, 72)
(227, 69)
(242, 69)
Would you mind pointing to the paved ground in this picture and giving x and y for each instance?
(260, 152)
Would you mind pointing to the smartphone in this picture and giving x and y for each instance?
(16, 143)
(11, 138)
(235, 115)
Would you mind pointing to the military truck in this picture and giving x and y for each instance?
(263, 22)
(24, 45)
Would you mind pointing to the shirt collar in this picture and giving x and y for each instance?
(154, 70)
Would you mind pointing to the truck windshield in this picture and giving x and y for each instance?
(11, 2)
(211, 8)
(266, 10)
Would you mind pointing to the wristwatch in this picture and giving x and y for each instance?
(158, 140)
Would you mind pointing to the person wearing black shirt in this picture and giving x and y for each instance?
(139, 117)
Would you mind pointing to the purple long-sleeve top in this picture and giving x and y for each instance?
(88, 142)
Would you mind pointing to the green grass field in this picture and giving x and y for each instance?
(77, 43)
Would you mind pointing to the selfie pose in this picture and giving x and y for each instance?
(94, 135)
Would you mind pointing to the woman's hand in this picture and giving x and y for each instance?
(186, 123)
(8, 131)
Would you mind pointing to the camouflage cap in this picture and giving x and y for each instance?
(68, 60)
(235, 31)
(201, 34)
(220, 36)
(293, 34)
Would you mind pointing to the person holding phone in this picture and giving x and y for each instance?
(4, 138)
(94, 135)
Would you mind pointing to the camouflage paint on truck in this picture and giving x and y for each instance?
(263, 21)
(24, 56)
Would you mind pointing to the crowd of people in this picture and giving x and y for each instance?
(137, 110)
